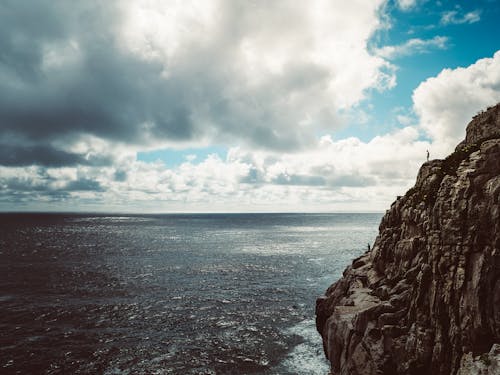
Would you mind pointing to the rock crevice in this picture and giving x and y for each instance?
(426, 297)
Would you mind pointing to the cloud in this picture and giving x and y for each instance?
(48, 181)
(412, 47)
(83, 184)
(447, 102)
(334, 175)
(19, 155)
(151, 74)
(406, 5)
(263, 79)
(453, 17)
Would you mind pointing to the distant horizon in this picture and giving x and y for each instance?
(127, 213)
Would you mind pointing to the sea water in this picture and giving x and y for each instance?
(170, 294)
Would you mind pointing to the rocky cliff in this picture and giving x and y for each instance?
(426, 298)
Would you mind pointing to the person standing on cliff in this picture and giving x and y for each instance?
(427, 155)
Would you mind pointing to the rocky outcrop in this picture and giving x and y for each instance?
(484, 364)
(426, 298)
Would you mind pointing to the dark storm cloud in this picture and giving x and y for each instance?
(19, 156)
(48, 156)
(64, 74)
(106, 92)
(23, 26)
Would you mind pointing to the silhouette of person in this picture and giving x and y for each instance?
(427, 155)
(368, 247)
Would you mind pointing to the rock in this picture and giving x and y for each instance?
(484, 126)
(485, 364)
(426, 297)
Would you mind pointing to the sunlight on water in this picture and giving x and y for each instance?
(174, 294)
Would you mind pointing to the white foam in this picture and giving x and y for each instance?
(307, 357)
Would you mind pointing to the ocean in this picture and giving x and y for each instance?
(170, 294)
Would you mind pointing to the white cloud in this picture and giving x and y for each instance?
(447, 102)
(288, 66)
(412, 47)
(154, 73)
(342, 175)
(453, 17)
(406, 5)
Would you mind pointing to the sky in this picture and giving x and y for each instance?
(235, 106)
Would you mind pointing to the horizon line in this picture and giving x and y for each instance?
(186, 212)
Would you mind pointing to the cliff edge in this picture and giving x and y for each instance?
(426, 298)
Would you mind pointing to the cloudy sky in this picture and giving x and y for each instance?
(229, 105)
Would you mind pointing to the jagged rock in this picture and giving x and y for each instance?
(485, 364)
(426, 298)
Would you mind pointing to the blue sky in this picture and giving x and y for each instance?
(222, 105)
(467, 41)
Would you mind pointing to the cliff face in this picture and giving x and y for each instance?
(426, 298)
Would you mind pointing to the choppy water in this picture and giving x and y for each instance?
(169, 294)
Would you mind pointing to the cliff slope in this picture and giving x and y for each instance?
(426, 298)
